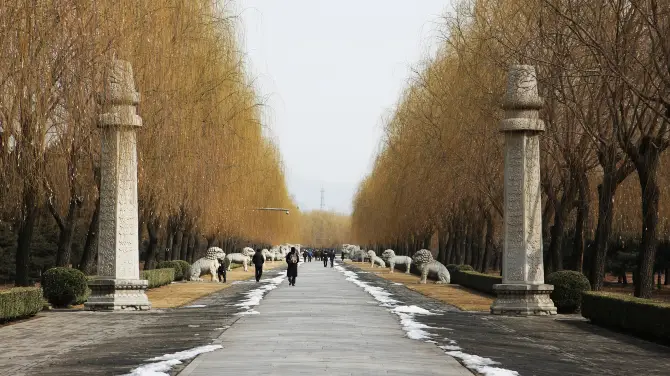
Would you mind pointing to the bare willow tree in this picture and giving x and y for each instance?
(603, 71)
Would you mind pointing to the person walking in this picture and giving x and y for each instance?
(292, 270)
(325, 258)
(331, 256)
(221, 271)
(258, 262)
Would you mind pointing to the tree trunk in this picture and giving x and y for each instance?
(666, 282)
(582, 221)
(91, 246)
(150, 254)
(488, 243)
(183, 247)
(644, 281)
(189, 249)
(196, 250)
(176, 244)
(66, 229)
(606, 191)
(441, 245)
(30, 214)
(450, 245)
(169, 255)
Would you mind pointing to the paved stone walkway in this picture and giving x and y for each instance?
(324, 325)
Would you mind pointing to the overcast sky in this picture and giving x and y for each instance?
(330, 72)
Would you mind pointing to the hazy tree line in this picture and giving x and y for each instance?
(603, 68)
(325, 229)
(204, 160)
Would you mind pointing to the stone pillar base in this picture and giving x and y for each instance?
(523, 300)
(109, 294)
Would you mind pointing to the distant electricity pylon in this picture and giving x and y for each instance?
(323, 199)
(320, 237)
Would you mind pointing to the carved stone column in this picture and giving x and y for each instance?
(523, 291)
(118, 285)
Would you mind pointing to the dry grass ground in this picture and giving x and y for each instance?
(182, 293)
(464, 299)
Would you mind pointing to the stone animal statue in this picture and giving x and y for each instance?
(393, 260)
(267, 255)
(427, 265)
(208, 264)
(375, 260)
(243, 258)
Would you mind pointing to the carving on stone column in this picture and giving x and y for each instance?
(117, 285)
(523, 291)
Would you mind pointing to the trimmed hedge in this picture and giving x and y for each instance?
(182, 269)
(63, 287)
(185, 270)
(642, 317)
(465, 268)
(568, 288)
(20, 302)
(158, 277)
(476, 281)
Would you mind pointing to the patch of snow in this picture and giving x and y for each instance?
(194, 326)
(411, 309)
(162, 364)
(481, 365)
(450, 348)
(397, 284)
(249, 312)
(195, 306)
(414, 329)
(255, 296)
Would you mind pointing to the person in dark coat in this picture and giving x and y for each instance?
(258, 261)
(292, 259)
(221, 271)
(331, 256)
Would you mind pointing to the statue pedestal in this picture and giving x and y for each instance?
(117, 294)
(523, 300)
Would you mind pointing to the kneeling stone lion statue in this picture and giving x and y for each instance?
(426, 264)
(208, 264)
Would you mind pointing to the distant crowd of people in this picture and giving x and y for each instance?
(292, 260)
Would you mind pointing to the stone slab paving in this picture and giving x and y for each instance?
(62, 342)
(543, 346)
(324, 325)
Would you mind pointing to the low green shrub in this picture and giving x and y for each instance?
(464, 268)
(185, 269)
(158, 277)
(63, 287)
(568, 288)
(641, 317)
(452, 268)
(178, 269)
(20, 302)
(476, 281)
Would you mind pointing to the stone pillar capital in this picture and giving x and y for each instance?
(119, 99)
(522, 102)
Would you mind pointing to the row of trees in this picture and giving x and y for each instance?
(325, 229)
(205, 160)
(603, 68)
